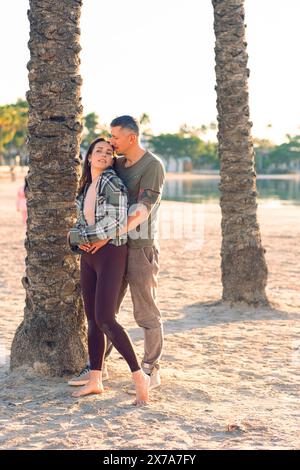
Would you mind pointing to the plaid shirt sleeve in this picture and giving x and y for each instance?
(111, 214)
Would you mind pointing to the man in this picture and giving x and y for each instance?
(143, 173)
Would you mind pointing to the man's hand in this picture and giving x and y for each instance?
(94, 247)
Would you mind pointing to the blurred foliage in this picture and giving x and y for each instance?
(92, 129)
(13, 128)
(198, 143)
(283, 158)
(184, 144)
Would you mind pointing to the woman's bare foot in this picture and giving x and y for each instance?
(94, 385)
(142, 383)
(91, 387)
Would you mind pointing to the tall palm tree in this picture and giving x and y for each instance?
(244, 270)
(52, 332)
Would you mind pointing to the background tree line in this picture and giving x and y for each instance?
(189, 141)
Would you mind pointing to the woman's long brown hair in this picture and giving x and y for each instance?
(86, 177)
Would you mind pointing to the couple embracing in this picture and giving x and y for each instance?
(116, 235)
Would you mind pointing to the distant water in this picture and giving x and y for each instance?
(283, 190)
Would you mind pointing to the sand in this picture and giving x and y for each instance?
(230, 376)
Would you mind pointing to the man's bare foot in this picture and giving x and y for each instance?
(93, 386)
(142, 383)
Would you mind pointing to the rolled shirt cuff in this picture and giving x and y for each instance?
(76, 238)
(76, 250)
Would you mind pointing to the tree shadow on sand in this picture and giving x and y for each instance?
(205, 314)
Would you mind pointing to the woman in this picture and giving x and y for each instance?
(102, 211)
(21, 201)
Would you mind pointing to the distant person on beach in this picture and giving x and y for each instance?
(21, 202)
(102, 204)
(143, 174)
(12, 173)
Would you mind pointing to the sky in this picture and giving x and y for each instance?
(158, 57)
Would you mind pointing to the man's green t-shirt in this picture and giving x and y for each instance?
(144, 181)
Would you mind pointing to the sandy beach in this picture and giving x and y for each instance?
(230, 376)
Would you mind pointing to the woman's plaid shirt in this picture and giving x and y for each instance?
(110, 212)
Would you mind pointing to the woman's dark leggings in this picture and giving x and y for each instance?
(101, 277)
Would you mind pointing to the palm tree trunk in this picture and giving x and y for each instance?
(244, 270)
(52, 334)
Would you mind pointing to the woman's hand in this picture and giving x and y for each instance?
(97, 245)
(86, 247)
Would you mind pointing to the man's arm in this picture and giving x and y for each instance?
(141, 211)
(136, 217)
(149, 195)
